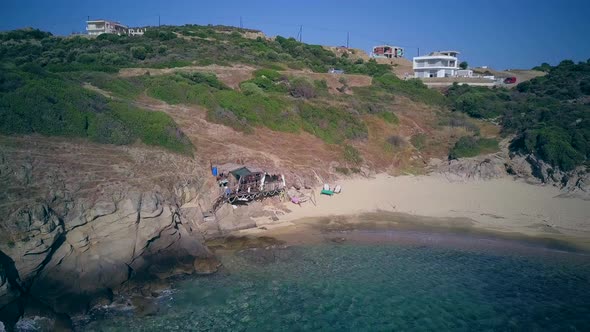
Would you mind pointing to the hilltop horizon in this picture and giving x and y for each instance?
(501, 35)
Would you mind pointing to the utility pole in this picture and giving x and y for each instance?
(158, 21)
(241, 26)
(418, 51)
(347, 38)
(88, 18)
(300, 33)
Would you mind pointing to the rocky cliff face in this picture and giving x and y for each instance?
(573, 183)
(78, 221)
(528, 167)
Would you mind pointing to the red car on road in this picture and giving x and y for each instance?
(510, 80)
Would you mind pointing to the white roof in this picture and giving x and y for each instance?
(428, 57)
(106, 21)
(439, 52)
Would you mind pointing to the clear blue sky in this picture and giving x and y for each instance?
(499, 33)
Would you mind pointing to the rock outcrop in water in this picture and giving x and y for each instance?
(74, 231)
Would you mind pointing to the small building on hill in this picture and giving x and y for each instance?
(136, 31)
(98, 27)
(387, 51)
(465, 73)
(436, 64)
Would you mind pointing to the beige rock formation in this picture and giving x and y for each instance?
(79, 221)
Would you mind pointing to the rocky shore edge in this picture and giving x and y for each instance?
(68, 255)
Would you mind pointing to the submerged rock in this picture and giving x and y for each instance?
(207, 265)
(236, 243)
(144, 306)
(268, 255)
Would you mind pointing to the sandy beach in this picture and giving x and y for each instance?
(499, 205)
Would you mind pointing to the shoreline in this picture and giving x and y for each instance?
(505, 207)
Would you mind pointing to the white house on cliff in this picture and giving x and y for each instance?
(98, 27)
(436, 64)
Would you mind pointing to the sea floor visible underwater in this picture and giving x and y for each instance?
(435, 282)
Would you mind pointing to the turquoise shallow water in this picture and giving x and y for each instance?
(376, 287)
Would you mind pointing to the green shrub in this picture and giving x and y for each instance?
(456, 119)
(332, 125)
(479, 102)
(159, 34)
(301, 87)
(103, 128)
(419, 141)
(389, 117)
(271, 112)
(153, 128)
(342, 170)
(24, 34)
(321, 86)
(545, 113)
(9, 81)
(124, 88)
(57, 107)
(229, 118)
(543, 67)
(554, 145)
(269, 80)
(139, 52)
(468, 146)
(412, 88)
(49, 107)
(271, 74)
(176, 89)
(249, 88)
(352, 155)
(206, 78)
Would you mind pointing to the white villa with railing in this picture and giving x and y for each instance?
(98, 27)
(436, 64)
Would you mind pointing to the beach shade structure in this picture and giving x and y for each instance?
(338, 189)
(240, 172)
(326, 186)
